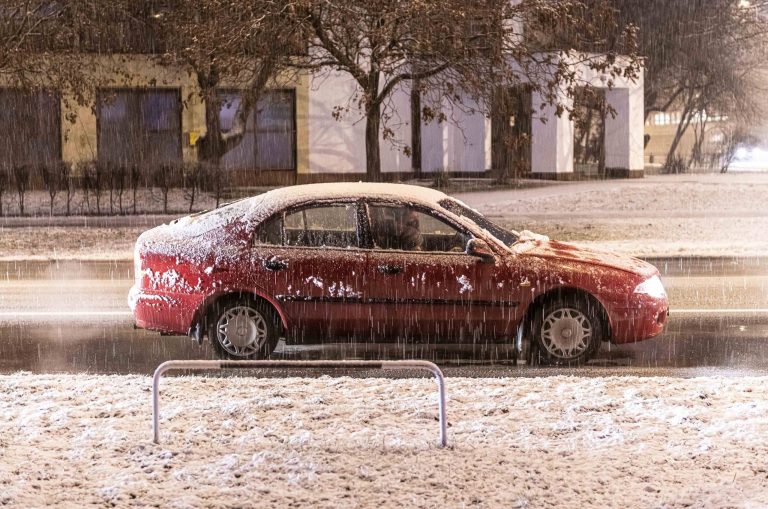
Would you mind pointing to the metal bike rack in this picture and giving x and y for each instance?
(203, 365)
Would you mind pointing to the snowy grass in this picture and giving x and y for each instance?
(660, 215)
(81, 440)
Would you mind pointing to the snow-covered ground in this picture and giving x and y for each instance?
(660, 215)
(77, 441)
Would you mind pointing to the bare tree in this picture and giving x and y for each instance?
(65, 178)
(454, 50)
(164, 176)
(52, 181)
(44, 44)
(117, 181)
(21, 175)
(702, 57)
(135, 177)
(92, 177)
(191, 182)
(212, 176)
(243, 49)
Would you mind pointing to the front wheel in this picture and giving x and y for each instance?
(242, 329)
(567, 331)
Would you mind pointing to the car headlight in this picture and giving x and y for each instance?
(652, 287)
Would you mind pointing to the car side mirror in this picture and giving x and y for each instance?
(480, 248)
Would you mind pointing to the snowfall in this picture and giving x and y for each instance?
(550, 442)
(76, 441)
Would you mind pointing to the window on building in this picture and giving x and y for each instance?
(29, 123)
(139, 126)
(270, 138)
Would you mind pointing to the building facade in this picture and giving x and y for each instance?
(152, 114)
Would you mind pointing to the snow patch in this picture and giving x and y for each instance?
(318, 282)
(465, 284)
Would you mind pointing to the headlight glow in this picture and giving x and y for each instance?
(652, 287)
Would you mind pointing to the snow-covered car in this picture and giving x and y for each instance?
(384, 263)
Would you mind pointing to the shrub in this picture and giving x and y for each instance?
(164, 176)
(192, 180)
(4, 181)
(21, 175)
(54, 176)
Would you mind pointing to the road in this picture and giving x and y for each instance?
(73, 317)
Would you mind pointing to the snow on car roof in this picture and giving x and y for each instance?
(277, 199)
(208, 227)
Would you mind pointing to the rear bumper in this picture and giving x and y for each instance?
(168, 312)
(640, 320)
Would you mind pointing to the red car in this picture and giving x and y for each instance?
(386, 263)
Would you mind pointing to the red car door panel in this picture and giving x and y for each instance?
(426, 287)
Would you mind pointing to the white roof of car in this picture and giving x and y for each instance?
(294, 195)
(258, 208)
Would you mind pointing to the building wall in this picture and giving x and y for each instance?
(461, 144)
(79, 131)
(329, 148)
(337, 146)
(553, 137)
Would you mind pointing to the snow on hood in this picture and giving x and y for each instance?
(528, 235)
(573, 252)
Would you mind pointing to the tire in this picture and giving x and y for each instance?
(243, 328)
(567, 331)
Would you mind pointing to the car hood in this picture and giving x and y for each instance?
(553, 249)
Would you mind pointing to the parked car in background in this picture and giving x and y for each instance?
(384, 263)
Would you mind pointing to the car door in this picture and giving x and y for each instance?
(310, 260)
(423, 285)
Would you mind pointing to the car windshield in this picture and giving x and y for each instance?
(506, 236)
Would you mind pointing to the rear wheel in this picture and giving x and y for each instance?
(242, 328)
(567, 331)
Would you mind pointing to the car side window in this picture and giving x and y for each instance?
(324, 226)
(408, 229)
(271, 231)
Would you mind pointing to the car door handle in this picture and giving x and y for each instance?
(390, 269)
(275, 264)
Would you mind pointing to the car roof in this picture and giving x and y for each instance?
(294, 195)
(260, 207)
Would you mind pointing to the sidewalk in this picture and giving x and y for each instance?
(709, 215)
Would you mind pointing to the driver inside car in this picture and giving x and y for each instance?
(396, 228)
(407, 228)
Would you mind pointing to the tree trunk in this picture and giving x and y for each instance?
(211, 146)
(372, 153)
(699, 133)
(682, 127)
(416, 129)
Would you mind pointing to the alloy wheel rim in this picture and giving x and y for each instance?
(566, 333)
(241, 331)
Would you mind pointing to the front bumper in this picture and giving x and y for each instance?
(168, 312)
(640, 319)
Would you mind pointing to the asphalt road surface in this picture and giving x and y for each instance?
(73, 317)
